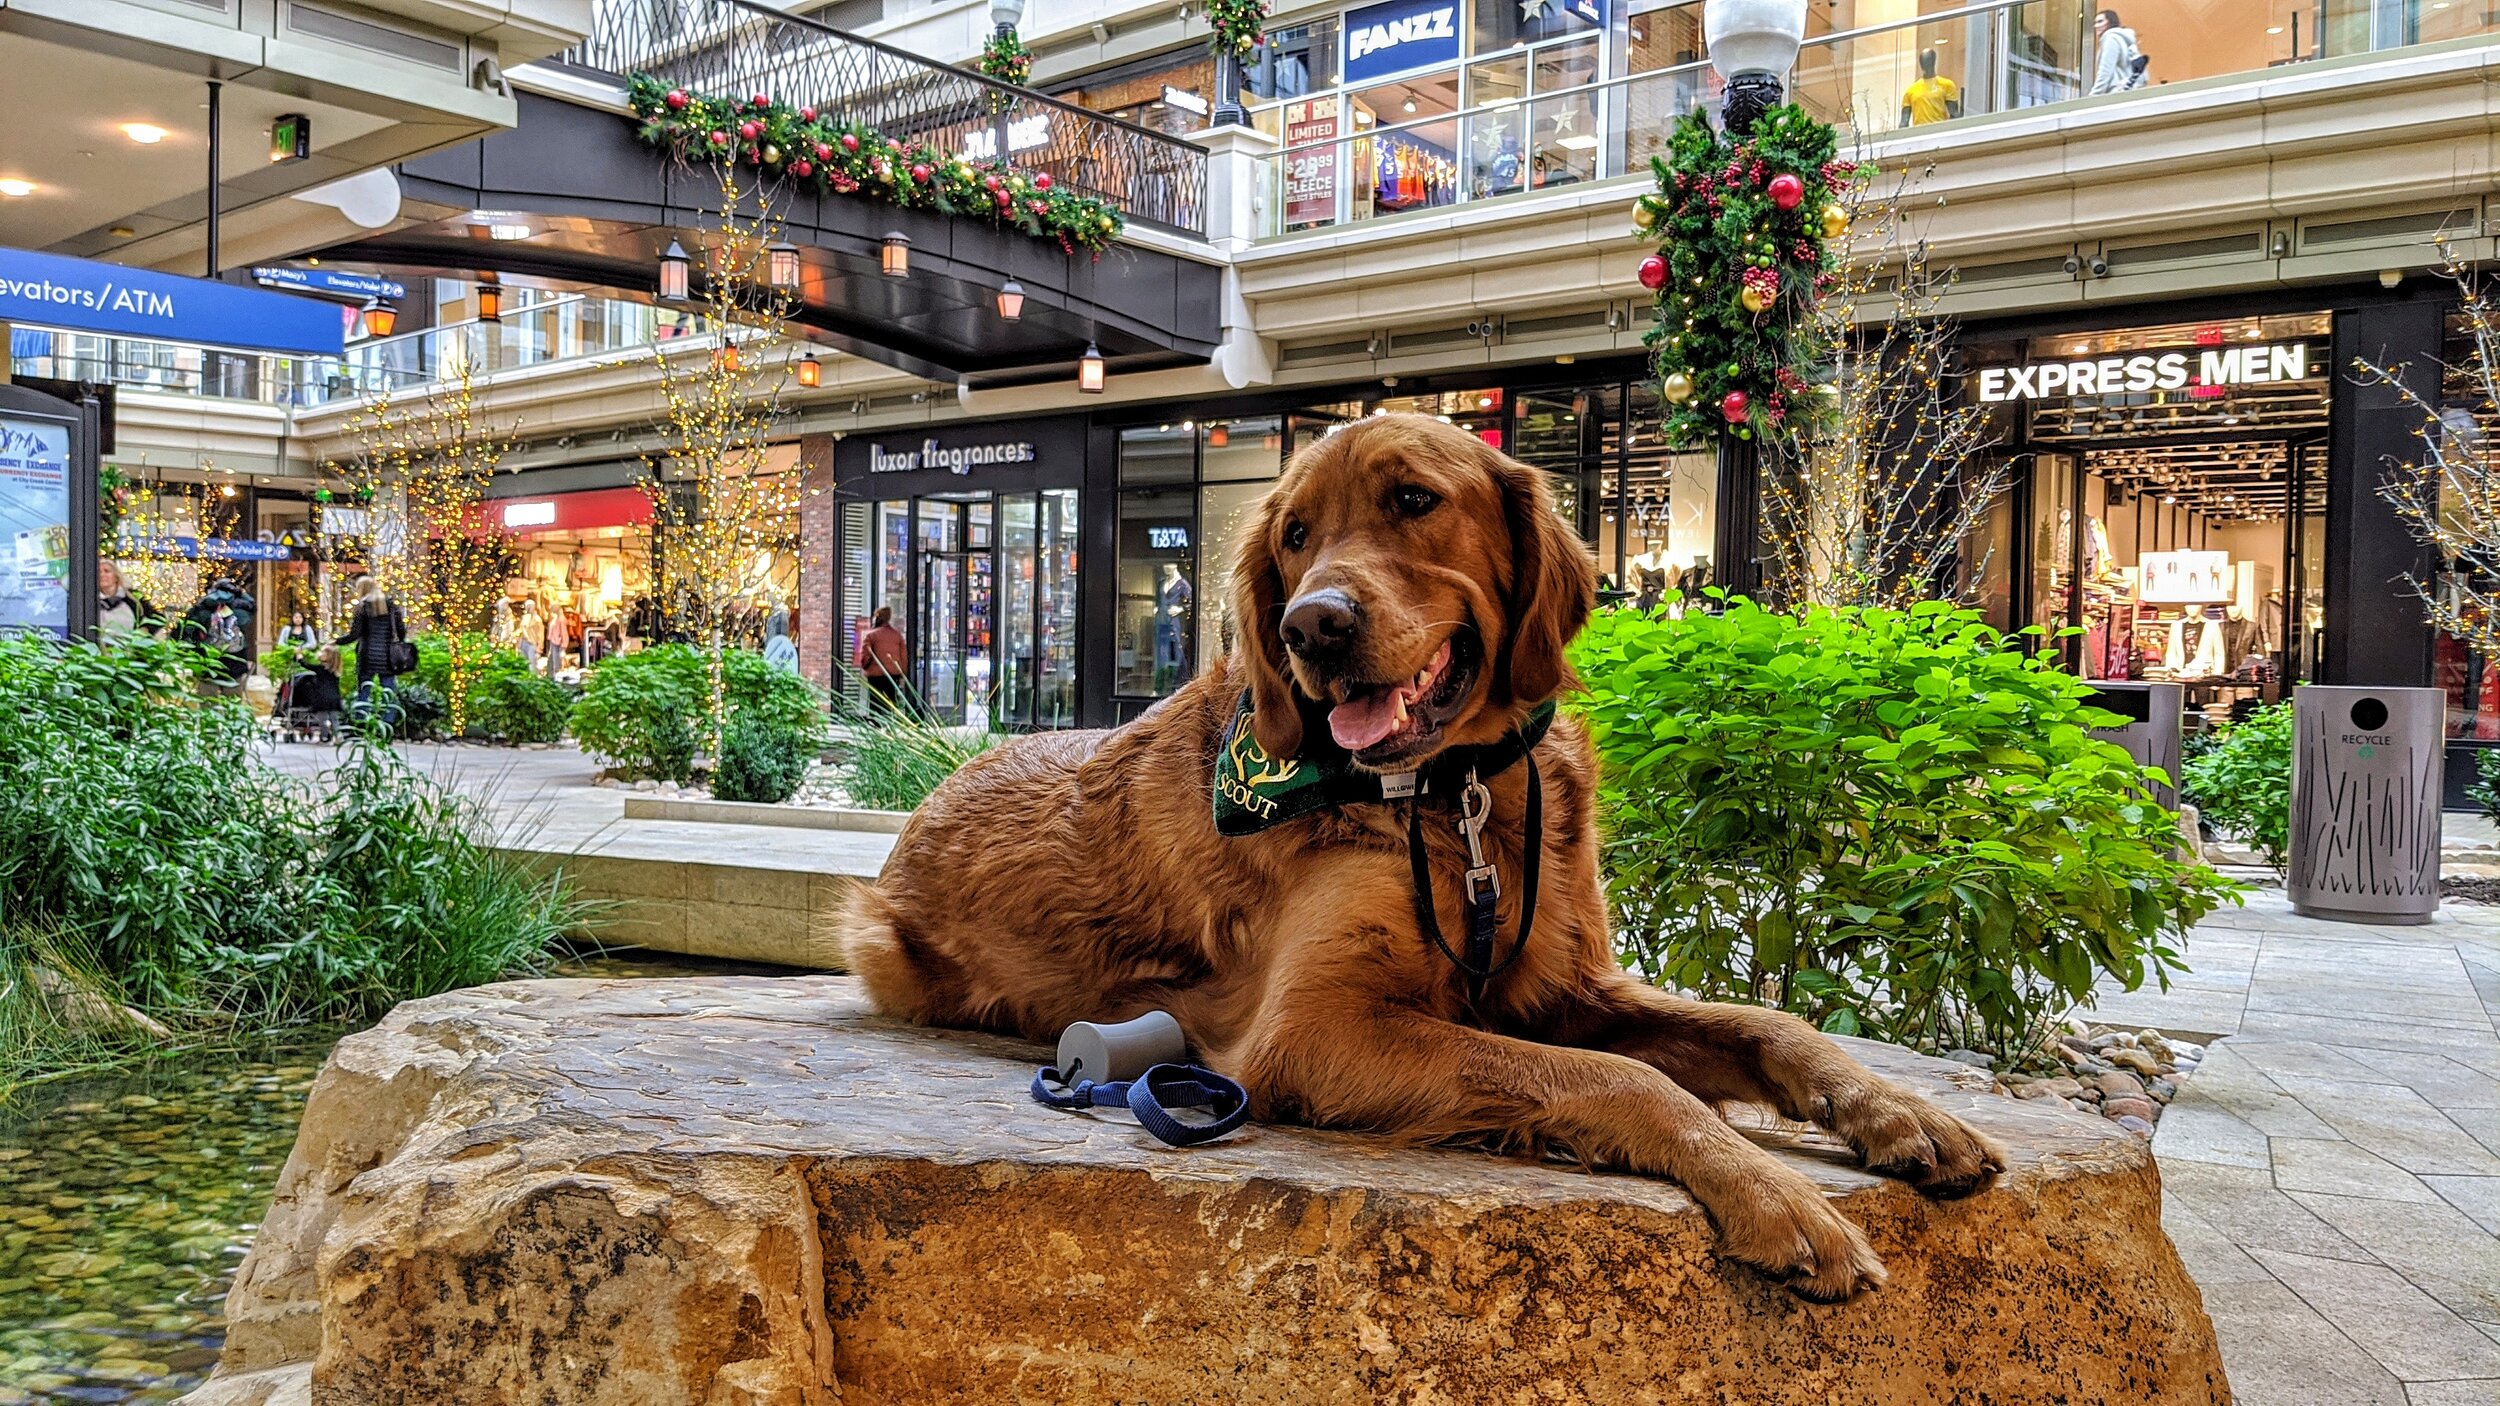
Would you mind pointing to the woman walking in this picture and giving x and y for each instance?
(380, 638)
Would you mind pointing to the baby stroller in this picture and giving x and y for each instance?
(309, 706)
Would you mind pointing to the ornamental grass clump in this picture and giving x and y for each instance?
(1893, 823)
(161, 887)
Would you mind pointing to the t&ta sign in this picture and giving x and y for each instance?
(2148, 371)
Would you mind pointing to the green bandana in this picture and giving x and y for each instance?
(1254, 791)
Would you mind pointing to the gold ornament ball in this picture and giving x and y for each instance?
(1755, 301)
(772, 154)
(1678, 388)
(1644, 215)
(1835, 222)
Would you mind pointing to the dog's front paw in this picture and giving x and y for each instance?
(1780, 1223)
(1899, 1134)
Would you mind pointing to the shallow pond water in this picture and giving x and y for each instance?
(126, 1203)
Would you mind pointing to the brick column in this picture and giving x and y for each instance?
(819, 559)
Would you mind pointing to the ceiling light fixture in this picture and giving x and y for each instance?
(489, 299)
(811, 372)
(894, 256)
(13, 188)
(381, 319)
(507, 232)
(781, 266)
(1089, 371)
(673, 265)
(144, 133)
(1011, 301)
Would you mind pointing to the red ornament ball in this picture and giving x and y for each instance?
(720, 138)
(1653, 273)
(750, 130)
(850, 142)
(802, 168)
(823, 152)
(1787, 192)
(1042, 181)
(759, 100)
(807, 114)
(1734, 405)
(919, 172)
(677, 100)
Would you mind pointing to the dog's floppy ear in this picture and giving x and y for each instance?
(1258, 611)
(1553, 588)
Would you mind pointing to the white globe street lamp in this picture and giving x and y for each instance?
(1006, 14)
(1753, 44)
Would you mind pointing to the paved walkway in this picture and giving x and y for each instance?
(2331, 1174)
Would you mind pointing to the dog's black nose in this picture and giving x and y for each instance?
(1320, 625)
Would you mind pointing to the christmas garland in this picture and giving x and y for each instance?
(1748, 232)
(849, 158)
(1006, 59)
(1237, 27)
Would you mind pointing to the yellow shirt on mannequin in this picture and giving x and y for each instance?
(1931, 100)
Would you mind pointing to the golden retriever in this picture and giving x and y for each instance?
(1406, 590)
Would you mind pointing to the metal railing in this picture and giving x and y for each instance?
(735, 48)
(1340, 165)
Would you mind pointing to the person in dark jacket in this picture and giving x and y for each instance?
(375, 631)
(222, 620)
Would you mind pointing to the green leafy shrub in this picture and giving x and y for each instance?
(1892, 823)
(2241, 782)
(520, 706)
(421, 712)
(643, 713)
(760, 760)
(2485, 792)
(894, 760)
(147, 856)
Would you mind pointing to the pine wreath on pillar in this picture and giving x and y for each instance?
(1749, 230)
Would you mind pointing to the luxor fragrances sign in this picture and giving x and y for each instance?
(2213, 367)
(962, 459)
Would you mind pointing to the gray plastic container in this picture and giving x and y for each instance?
(2366, 789)
(2151, 735)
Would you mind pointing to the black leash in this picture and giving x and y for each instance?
(1484, 884)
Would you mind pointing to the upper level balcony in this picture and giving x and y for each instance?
(1510, 99)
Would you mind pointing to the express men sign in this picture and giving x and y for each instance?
(2149, 371)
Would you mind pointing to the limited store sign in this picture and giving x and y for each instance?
(961, 460)
(2149, 371)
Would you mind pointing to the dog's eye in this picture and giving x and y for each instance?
(1415, 501)
(1296, 535)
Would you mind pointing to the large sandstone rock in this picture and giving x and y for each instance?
(755, 1193)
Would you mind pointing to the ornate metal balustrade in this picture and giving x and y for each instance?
(736, 48)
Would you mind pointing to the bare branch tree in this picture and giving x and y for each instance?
(2450, 497)
(1873, 503)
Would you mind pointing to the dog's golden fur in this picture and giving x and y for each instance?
(1079, 876)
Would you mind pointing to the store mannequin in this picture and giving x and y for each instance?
(533, 631)
(1696, 578)
(2209, 659)
(1172, 604)
(1649, 573)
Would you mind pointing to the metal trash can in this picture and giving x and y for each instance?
(2151, 733)
(2366, 791)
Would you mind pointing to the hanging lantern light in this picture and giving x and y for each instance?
(894, 259)
(1011, 301)
(811, 372)
(490, 299)
(1089, 371)
(725, 356)
(673, 266)
(380, 318)
(781, 267)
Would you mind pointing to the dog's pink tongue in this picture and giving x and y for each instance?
(1361, 722)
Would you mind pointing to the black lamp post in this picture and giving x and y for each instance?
(1753, 44)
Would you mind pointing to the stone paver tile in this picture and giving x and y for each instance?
(2407, 1331)
(2246, 1206)
(2396, 1123)
(2480, 1392)
(2194, 1130)
(2437, 1248)
(2229, 1082)
(2278, 1351)
(2478, 1047)
(2478, 1197)
(2447, 1083)
(2457, 1008)
(2210, 1256)
(2341, 1169)
(2302, 1057)
(2482, 1123)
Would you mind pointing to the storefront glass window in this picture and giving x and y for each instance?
(1018, 567)
(1154, 617)
(1294, 61)
(956, 651)
(1496, 136)
(1055, 545)
(1241, 461)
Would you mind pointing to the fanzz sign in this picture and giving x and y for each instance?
(2213, 367)
(1393, 38)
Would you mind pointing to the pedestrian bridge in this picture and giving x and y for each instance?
(571, 197)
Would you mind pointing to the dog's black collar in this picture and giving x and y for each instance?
(1253, 791)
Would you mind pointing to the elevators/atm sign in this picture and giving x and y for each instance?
(2192, 370)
